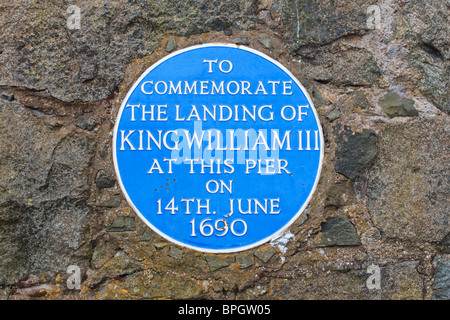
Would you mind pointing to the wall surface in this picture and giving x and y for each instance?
(379, 79)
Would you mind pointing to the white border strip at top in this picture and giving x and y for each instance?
(141, 216)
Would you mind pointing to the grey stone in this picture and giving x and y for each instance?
(316, 95)
(176, 253)
(320, 22)
(303, 218)
(434, 81)
(228, 32)
(338, 231)
(358, 100)
(43, 187)
(160, 245)
(103, 252)
(396, 106)
(122, 224)
(242, 41)
(354, 151)
(216, 262)
(428, 23)
(147, 235)
(245, 260)
(408, 183)
(332, 64)
(104, 180)
(266, 42)
(170, 46)
(264, 254)
(120, 265)
(85, 121)
(340, 194)
(333, 114)
(4, 293)
(318, 98)
(265, 17)
(426, 30)
(446, 243)
(112, 202)
(7, 97)
(89, 63)
(402, 281)
(441, 283)
(104, 151)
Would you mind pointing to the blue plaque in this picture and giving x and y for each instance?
(218, 148)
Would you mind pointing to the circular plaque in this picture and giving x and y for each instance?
(218, 148)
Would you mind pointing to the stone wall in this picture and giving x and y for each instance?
(380, 87)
